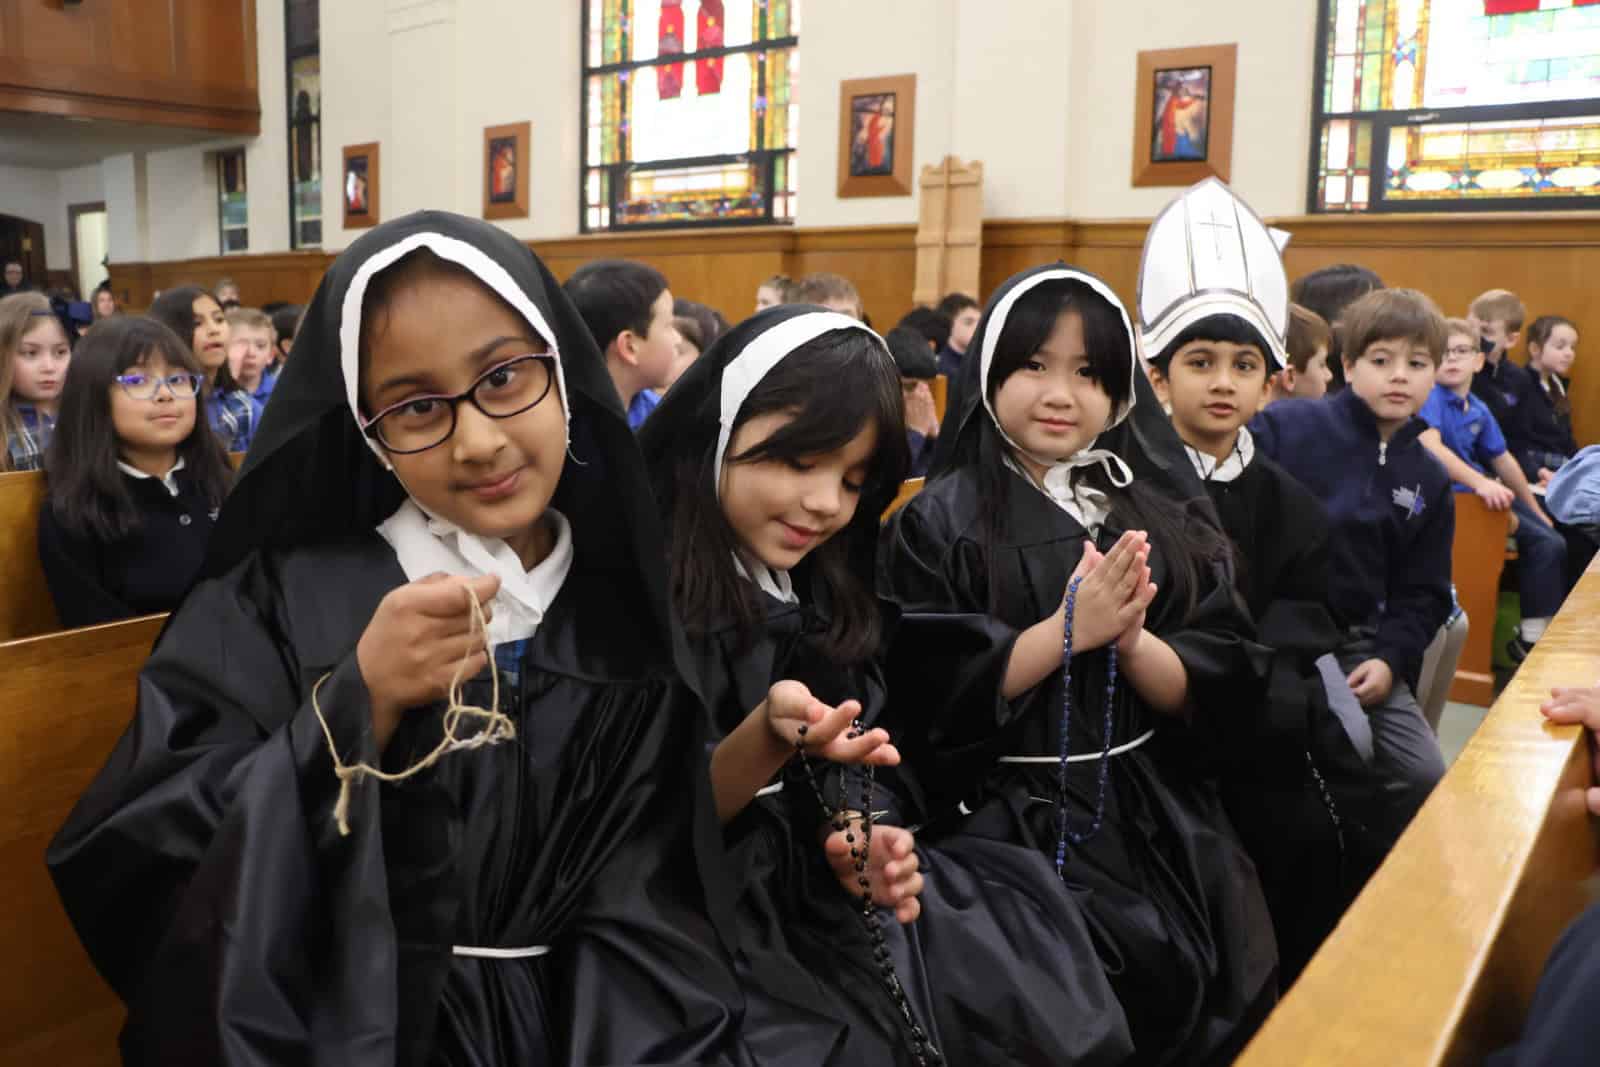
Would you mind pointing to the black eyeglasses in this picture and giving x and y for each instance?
(424, 422)
(146, 386)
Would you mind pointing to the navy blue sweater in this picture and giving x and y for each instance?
(1391, 513)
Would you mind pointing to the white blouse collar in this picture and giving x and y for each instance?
(169, 480)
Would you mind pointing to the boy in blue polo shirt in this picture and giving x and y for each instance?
(1464, 435)
(1391, 521)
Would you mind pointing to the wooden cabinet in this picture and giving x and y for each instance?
(175, 63)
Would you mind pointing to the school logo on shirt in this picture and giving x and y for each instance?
(1409, 500)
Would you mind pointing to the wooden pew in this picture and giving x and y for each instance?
(941, 394)
(25, 604)
(1437, 960)
(1477, 557)
(26, 607)
(64, 700)
(908, 489)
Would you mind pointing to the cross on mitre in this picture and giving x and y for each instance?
(1212, 223)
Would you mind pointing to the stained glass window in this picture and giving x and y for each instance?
(304, 108)
(689, 112)
(1464, 103)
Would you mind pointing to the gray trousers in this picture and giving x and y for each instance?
(1405, 753)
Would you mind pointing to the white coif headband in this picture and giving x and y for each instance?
(756, 360)
(480, 265)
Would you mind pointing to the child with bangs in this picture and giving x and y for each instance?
(135, 476)
(774, 456)
(1073, 655)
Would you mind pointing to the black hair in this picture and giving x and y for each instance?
(1189, 539)
(174, 309)
(933, 326)
(87, 492)
(836, 386)
(910, 352)
(1332, 289)
(954, 304)
(708, 321)
(1219, 327)
(613, 295)
(285, 323)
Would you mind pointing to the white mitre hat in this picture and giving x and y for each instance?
(1208, 254)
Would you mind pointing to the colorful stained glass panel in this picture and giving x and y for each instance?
(1346, 165)
(1519, 58)
(692, 194)
(1519, 160)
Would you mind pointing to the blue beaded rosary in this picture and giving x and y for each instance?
(1078, 837)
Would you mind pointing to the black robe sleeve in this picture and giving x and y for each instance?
(187, 867)
(71, 569)
(947, 662)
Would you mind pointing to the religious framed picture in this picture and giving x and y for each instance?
(505, 171)
(877, 121)
(358, 184)
(1183, 115)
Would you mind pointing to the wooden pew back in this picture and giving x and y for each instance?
(908, 489)
(1437, 960)
(1477, 556)
(25, 604)
(64, 700)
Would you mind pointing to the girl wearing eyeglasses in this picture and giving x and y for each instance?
(135, 477)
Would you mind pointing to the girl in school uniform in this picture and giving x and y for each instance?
(447, 484)
(772, 459)
(34, 353)
(1552, 348)
(1062, 515)
(192, 313)
(136, 477)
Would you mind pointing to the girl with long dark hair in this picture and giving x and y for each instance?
(136, 477)
(194, 315)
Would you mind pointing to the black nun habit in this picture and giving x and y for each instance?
(538, 901)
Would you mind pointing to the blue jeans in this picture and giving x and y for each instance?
(1541, 564)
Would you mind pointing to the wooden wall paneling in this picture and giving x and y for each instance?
(1549, 259)
(720, 269)
(880, 260)
(215, 41)
(1014, 245)
(137, 44)
(1437, 960)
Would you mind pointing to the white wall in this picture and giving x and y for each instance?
(35, 194)
(1042, 91)
(1272, 102)
(127, 208)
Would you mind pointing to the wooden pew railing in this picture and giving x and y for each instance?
(1437, 960)
(908, 489)
(64, 700)
(25, 604)
(26, 607)
(1477, 556)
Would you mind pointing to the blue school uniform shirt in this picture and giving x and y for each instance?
(1391, 516)
(263, 392)
(1467, 427)
(642, 406)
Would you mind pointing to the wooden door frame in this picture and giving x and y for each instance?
(73, 211)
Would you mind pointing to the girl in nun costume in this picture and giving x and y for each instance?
(1058, 502)
(444, 430)
(773, 458)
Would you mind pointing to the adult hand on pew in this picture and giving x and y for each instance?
(1371, 682)
(892, 866)
(422, 635)
(1581, 707)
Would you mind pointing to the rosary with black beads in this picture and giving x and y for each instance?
(922, 1050)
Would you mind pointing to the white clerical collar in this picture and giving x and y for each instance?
(1210, 469)
(769, 580)
(1067, 491)
(168, 480)
(427, 546)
